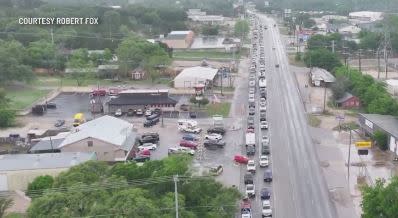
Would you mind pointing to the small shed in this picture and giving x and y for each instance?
(348, 101)
(321, 77)
(138, 74)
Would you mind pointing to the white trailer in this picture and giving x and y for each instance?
(250, 138)
(262, 83)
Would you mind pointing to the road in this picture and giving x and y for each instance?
(299, 188)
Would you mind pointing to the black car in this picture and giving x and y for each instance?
(248, 178)
(268, 176)
(217, 130)
(252, 111)
(151, 134)
(265, 194)
(192, 114)
(214, 143)
(250, 120)
(184, 107)
(51, 105)
(157, 111)
(265, 149)
(250, 150)
(130, 112)
(141, 158)
(148, 139)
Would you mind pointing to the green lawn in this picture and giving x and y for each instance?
(24, 97)
(314, 121)
(219, 109)
(204, 54)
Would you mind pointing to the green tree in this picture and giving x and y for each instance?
(5, 203)
(12, 67)
(210, 30)
(340, 86)
(381, 139)
(380, 200)
(369, 40)
(241, 28)
(322, 58)
(42, 54)
(7, 117)
(81, 64)
(38, 185)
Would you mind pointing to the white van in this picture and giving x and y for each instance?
(187, 123)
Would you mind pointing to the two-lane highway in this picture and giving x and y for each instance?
(299, 188)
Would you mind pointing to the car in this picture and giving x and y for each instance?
(263, 108)
(252, 111)
(251, 95)
(187, 129)
(145, 152)
(130, 112)
(245, 208)
(192, 114)
(139, 112)
(151, 134)
(251, 166)
(263, 124)
(276, 65)
(190, 137)
(252, 83)
(251, 99)
(250, 150)
(213, 136)
(98, 92)
(59, 123)
(265, 194)
(266, 210)
(180, 150)
(265, 148)
(250, 120)
(251, 91)
(184, 107)
(263, 104)
(248, 178)
(250, 190)
(263, 116)
(157, 111)
(51, 105)
(141, 158)
(214, 143)
(268, 175)
(217, 130)
(152, 122)
(264, 161)
(149, 146)
(265, 139)
(241, 159)
(147, 139)
(189, 144)
(14, 135)
(216, 170)
(148, 113)
(118, 112)
(250, 129)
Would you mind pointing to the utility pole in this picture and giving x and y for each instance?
(333, 46)
(175, 178)
(359, 60)
(324, 99)
(386, 47)
(349, 160)
(378, 64)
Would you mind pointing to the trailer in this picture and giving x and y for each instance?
(250, 138)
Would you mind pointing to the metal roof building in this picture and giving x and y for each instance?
(321, 76)
(192, 76)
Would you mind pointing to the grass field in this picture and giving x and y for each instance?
(24, 97)
(219, 109)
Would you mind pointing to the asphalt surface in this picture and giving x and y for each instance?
(299, 188)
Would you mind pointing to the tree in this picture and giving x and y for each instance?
(7, 117)
(39, 185)
(322, 58)
(380, 200)
(381, 139)
(369, 40)
(12, 67)
(5, 203)
(210, 30)
(81, 65)
(42, 54)
(340, 86)
(241, 29)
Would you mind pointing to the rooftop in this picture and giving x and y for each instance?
(106, 128)
(12, 162)
(387, 122)
(206, 73)
(345, 97)
(207, 18)
(180, 32)
(322, 74)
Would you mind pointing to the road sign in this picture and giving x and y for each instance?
(363, 144)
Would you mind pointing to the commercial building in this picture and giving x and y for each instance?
(348, 101)
(321, 77)
(110, 138)
(18, 170)
(208, 19)
(179, 39)
(366, 16)
(142, 99)
(192, 76)
(370, 123)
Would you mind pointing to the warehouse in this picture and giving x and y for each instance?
(192, 76)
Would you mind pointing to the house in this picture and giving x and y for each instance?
(111, 139)
(192, 76)
(138, 74)
(370, 123)
(179, 39)
(18, 170)
(348, 101)
(107, 71)
(320, 77)
(142, 99)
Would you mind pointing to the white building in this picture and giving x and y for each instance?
(351, 31)
(192, 76)
(366, 16)
(392, 86)
(208, 19)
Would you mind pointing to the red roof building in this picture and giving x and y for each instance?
(348, 101)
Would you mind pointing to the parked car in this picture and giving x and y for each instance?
(250, 150)
(98, 92)
(245, 208)
(251, 166)
(265, 194)
(241, 159)
(51, 105)
(189, 144)
(268, 175)
(157, 111)
(214, 143)
(265, 149)
(264, 161)
(141, 158)
(148, 113)
(265, 139)
(190, 137)
(263, 116)
(149, 123)
(148, 139)
(184, 107)
(248, 178)
(217, 130)
(216, 170)
(250, 120)
(180, 150)
(130, 112)
(144, 152)
(139, 112)
(151, 134)
(266, 210)
(213, 136)
(118, 112)
(263, 124)
(250, 190)
(192, 114)
(187, 129)
(252, 111)
(149, 146)
(59, 123)
(250, 129)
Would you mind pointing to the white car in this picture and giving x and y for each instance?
(266, 210)
(148, 146)
(118, 112)
(252, 83)
(181, 150)
(213, 136)
(251, 166)
(265, 139)
(195, 130)
(263, 108)
(250, 190)
(264, 125)
(264, 161)
(148, 113)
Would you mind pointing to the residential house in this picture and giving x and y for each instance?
(179, 39)
(348, 101)
(111, 139)
(138, 74)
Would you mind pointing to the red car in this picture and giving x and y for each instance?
(145, 152)
(98, 92)
(241, 159)
(188, 144)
